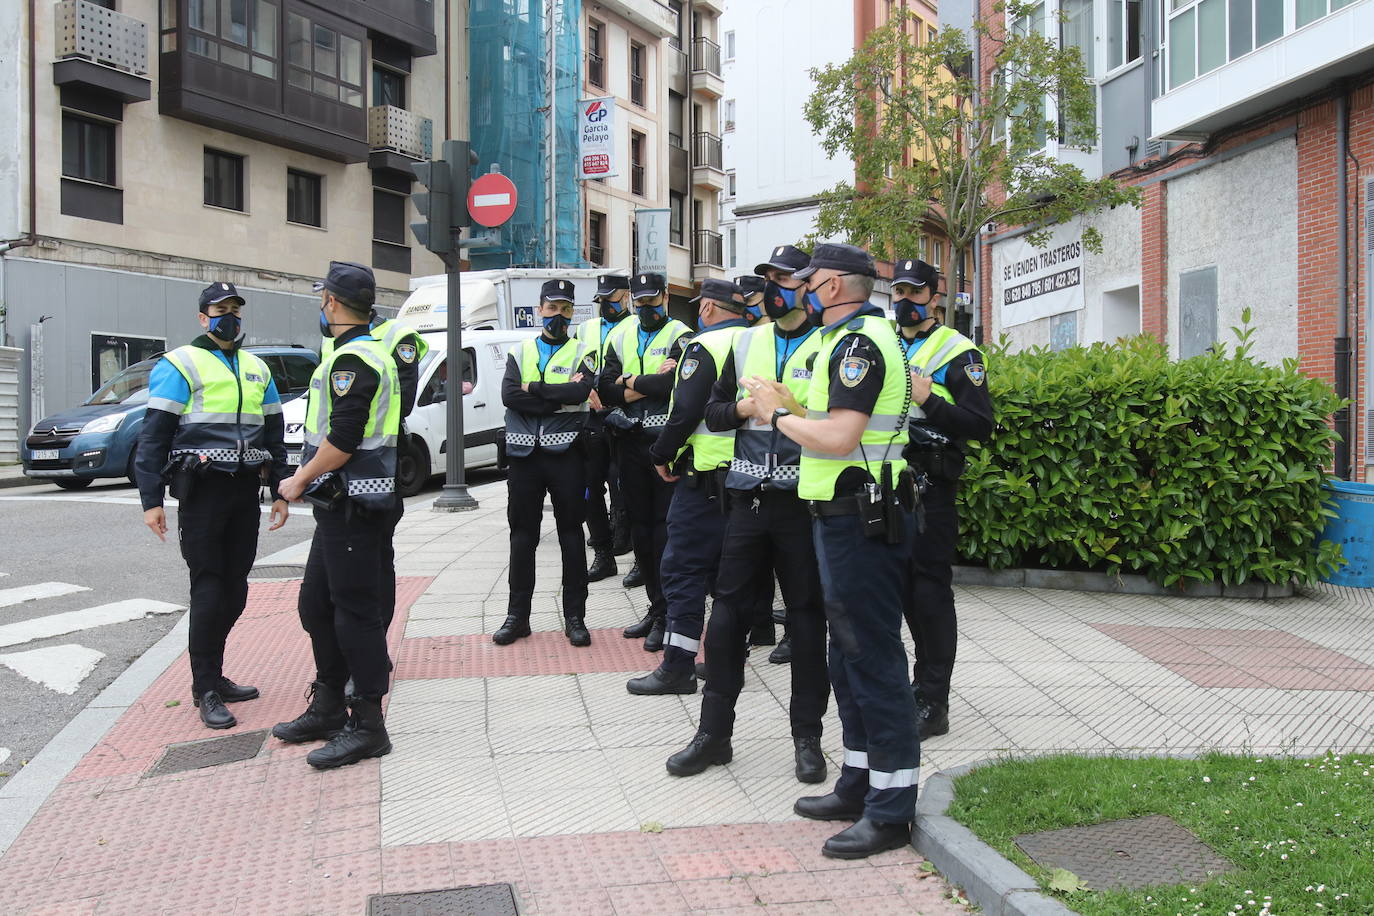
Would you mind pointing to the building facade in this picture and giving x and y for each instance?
(1249, 129)
(160, 145)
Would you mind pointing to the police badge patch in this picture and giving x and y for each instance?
(341, 381)
(689, 367)
(977, 373)
(852, 370)
(406, 352)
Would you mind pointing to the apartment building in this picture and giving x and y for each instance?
(158, 145)
(1249, 129)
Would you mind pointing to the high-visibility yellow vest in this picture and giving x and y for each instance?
(764, 456)
(625, 339)
(590, 333)
(222, 421)
(710, 450)
(939, 347)
(369, 475)
(557, 432)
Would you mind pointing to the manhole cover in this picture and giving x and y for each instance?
(1133, 853)
(481, 900)
(279, 571)
(178, 758)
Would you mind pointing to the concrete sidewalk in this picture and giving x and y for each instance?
(531, 765)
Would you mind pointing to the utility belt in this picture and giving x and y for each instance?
(942, 464)
(183, 472)
(327, 492)
(711, 481)
(879, 506)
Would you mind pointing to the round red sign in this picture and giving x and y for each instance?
(492, 200)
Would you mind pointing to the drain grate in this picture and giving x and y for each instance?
(479, 900)
(277, 571)
(196, 755)
(1134, 853)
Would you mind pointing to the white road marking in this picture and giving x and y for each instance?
(4, 754)
(9, 596)
(60, 668)
(14, 634)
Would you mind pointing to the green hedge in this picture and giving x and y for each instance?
(1114, 458)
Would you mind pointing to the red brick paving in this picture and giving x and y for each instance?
(541, 653)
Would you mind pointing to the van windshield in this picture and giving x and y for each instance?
(128, 386)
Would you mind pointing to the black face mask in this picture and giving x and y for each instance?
(909, 312)
(613, 311)
(226, 327)
(652, 317)
(778, 300)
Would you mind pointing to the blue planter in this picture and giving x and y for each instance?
(1353, 529)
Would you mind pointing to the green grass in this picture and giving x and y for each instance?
(1300, 831)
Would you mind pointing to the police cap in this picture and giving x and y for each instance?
(784, 257)
(722, 291)
(607, 284)
(750, 285)
(218, 292)
(847, 259)
(351, 282)
(646, 286)
(561, 290)
(915, 272)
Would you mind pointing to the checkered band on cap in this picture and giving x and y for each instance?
(372, 485)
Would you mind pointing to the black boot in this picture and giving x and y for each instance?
(703, 752)
(641, 629)
(782, 655)
(620, 533)
(654, 641)
(829, 807)
(932, 719)
(661, 681)
(365, 736)
(230, 692)
(763, 634)
(603, 565)
(810, 760)
(576, 630)
(867, 838)
(634, 578)
(322, 719)
(213, 712)
(515, 627)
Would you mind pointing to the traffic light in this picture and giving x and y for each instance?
(460, 158)
(435, 206)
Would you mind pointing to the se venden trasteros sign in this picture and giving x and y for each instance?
(1040, 282)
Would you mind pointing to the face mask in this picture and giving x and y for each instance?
(613, 311)
(778, 300)
(651, 317)
(909, 313)
(557, 325)
(815, 312)
(752, 314)
(325, 328)
(226, 327)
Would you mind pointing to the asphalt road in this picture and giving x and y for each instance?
(56, 541)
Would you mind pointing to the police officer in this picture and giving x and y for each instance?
(950, 405)
(861, 504)
(768, 530)
(606, 532)
(545, 391)
(692, 458)
(348, 472)
(751, 288)
(213, 409)
(636, 382)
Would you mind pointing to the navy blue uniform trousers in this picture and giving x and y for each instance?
(929, 607)
(696, 528)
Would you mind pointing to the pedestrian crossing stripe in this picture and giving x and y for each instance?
(59, 668)
(13, 634)
(12, 596)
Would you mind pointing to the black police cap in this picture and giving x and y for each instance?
(351, 282)
(218, 292)
(556, 289)
(750, 284)
(915, 272)
(722, 291)
(785, 257)
(847, 259)
(606, 284)
(646, 286)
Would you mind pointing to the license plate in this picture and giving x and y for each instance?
(293, 458)
(46, 454)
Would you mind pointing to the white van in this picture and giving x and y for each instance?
(425, 453)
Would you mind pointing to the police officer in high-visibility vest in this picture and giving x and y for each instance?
(768, 530)
(214, 432)
(693, 460)
(636, 382)
(751, 288)
(348, 472)
(608, 533)
(862, 503)
(950, 405)
(548, 380)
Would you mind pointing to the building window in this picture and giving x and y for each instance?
(223, 180)
(730, 184)
(637, 73)
(637, 183)
(1204, 35)
(322, 61)
(389, 248)
(304, 198)
(730, 247)
(596, 238)
(596, 65)
(239, 33)
(932, 33)
(728, 114)
(88, 149)
(730, 45)
(675, 6)
(936, 248)
(677, 111)
(676, 205)
(1123, 32)
(1076, 31)
(388, 87)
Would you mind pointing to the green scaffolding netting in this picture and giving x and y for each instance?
(508, 50)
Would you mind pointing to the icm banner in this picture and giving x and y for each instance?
(1040, 282)
(596, 138)
(651, 230)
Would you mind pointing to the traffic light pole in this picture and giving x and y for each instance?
(455, 496)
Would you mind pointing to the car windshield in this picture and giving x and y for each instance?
(131, 385)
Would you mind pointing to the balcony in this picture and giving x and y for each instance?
(397, 138)
(637, 89)
(706, 77)
(101, 50)
(596, 70)
(651, 15)
(712, 6)
(707, 250)
(1225, 65)
(707, 171)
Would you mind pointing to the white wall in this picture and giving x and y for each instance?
(13, 140)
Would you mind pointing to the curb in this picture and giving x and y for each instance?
(1124, 584)
(989, 879)
(19, 480)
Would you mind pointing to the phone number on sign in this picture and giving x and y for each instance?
(596, 164)
(1042, 285)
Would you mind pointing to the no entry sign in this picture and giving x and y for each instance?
(492, 200)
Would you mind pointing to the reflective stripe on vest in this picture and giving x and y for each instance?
(878, 445)
(761, 454)
(710, 450)
(625, 338)
(942, 345)
(369, 475)
(557, 432)
(222, 420)
(390, 333)
(589, 332)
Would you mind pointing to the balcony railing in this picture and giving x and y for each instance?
(389, 127)
(596, 70)
(637, 180)
(93, 33)
(675, 140)
(707, 248)
(706, 150)
(705, 56)
(596, 254)
(637, 89)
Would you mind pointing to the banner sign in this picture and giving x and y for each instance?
(651, 232)
(1039, 282)
(596, 138)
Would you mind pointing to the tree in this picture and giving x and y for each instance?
(932, 148)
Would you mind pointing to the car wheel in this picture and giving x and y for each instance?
(412, 467)
(72, 483)
(129, 468)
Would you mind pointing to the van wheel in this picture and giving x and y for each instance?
(412, 467)
(129, 468)
(72, 483)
